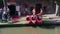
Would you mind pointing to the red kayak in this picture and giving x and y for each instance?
(28, 19)
(33, 19)
(39, 20)
(15, 19)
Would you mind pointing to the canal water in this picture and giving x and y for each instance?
(29, 30)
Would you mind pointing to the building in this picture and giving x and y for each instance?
(50, 5)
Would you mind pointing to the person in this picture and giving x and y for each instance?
(1, 12)
(37, 10)
(31, 8)
(26, 9)
(4, 16)
(37, 14)
(12, 11)
(45, 10)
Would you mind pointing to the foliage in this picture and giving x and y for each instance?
(58, 2)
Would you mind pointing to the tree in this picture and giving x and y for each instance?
(1, 4)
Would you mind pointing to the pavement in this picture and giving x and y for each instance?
(52, 17)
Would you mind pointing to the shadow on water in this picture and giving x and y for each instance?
(47, 26)
(34, 26)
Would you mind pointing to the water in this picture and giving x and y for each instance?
(29, 30)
